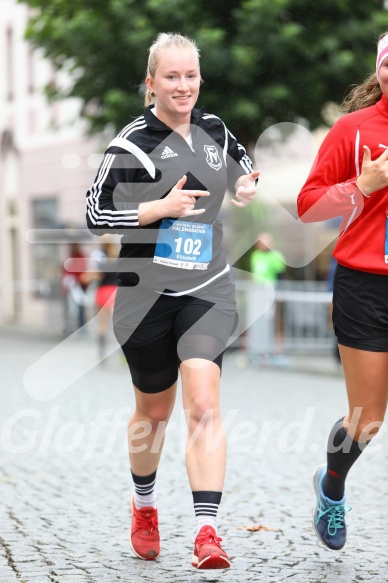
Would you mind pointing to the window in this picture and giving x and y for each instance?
(45, 256)
(30, 70)
(9, 64)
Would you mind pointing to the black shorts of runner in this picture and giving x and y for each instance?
(360, 309)
(158, 332)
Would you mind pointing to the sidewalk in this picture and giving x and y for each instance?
(322, 364)
(65, 480)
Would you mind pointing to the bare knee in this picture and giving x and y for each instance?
(154, 408)
(203, 408)
(200, 383)
(155, 414)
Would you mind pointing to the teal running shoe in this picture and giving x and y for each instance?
(329, 515)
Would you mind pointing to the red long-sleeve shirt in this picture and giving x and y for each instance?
(331, 191)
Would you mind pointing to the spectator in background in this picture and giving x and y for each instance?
(74, 286)
(266, 263)
(104, 262)
(267, 266)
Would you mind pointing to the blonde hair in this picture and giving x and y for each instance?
(364, 95)
(165, 40)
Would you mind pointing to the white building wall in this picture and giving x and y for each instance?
(44, 155)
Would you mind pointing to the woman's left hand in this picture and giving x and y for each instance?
(245, 189)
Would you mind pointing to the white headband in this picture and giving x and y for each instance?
(382, 53)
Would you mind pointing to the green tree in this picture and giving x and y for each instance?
(297, 55)
(263, 62)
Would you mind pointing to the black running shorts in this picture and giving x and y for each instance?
(360, 309)
(157, 332)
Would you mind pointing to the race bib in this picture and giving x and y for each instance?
(184, 245)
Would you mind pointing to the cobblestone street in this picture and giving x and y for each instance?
(65, 480)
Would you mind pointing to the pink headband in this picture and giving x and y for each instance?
(382, 53)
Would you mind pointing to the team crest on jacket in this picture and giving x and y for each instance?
(212, 157)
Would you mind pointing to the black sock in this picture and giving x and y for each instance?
(206, 503)
(342, 452)
(144, 490)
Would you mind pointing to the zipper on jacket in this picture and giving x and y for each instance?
(386, 236)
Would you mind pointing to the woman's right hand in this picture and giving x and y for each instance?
(181, 203)
(178, 203)
(374, 173)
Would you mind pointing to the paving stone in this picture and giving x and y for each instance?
(65, 482)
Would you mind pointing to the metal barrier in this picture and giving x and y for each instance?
(297, 318)
(294, 317)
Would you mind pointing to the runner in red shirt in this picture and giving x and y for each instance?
(350, 179)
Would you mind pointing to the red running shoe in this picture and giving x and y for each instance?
(208, 553)
(145, 540)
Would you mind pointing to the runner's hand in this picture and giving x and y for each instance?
(374, 173)
(181, 203)
(245, 189)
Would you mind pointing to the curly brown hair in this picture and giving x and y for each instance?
(364, 95)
